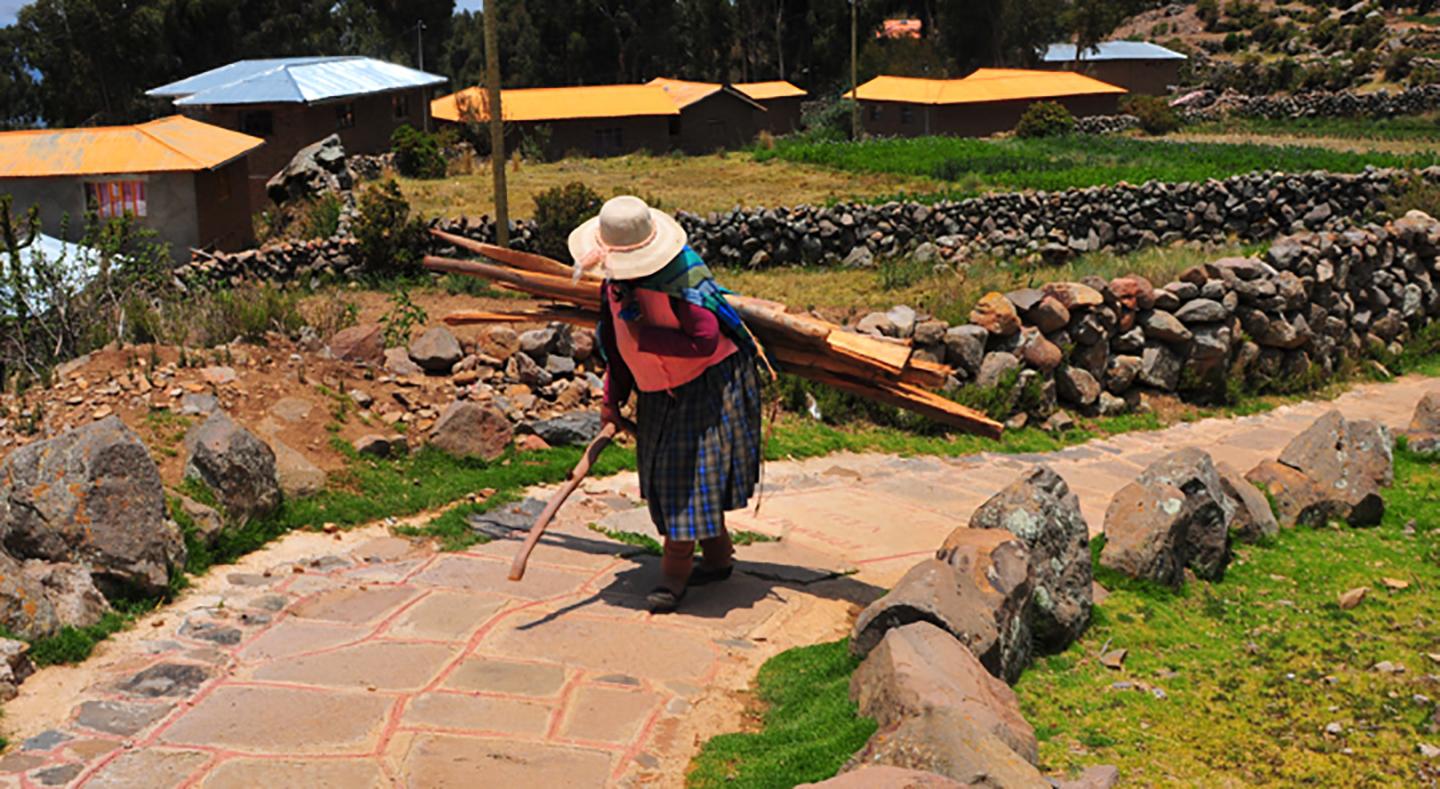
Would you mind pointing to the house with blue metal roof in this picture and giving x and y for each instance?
(1137, 66)
(293, 102)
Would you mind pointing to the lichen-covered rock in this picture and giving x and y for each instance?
(1349, 461)
(71, 591)
(1208, 510)
(1298, 499)
(25, 608)
(1077, 386)
(236, 465)
(467, 429)
(1040, 509)
(1424, 432)
(994, 368)
(965, 347)
(920, 667)
(93, 496)
(398, 363)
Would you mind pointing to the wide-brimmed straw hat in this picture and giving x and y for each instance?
(627, 240)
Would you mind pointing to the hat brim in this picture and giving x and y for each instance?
(669, 239)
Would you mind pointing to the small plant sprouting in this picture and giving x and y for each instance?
(402, 318)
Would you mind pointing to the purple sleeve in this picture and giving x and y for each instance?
(618, 378)
(698, 335)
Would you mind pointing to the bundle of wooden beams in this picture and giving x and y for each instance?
(879, 369)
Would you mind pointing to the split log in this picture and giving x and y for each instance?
(891, 356)
(574, 317)
(527, 261)
(911, 398)
(544, 285)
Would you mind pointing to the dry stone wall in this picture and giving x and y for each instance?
(1205, 105)
(1316, 303)
(1050, 225)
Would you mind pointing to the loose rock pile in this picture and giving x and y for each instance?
(535, 382)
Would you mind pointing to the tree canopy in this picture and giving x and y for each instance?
(72, 62)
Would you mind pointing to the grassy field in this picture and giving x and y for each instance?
(1404, 136)
(975, 166)
(1251, 671)
(845, 293)
(691, 183)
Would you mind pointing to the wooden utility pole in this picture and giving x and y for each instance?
(497, 124)
(854, 70)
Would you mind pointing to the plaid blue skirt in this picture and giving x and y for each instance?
(699, 449)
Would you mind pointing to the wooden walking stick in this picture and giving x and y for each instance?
(592, 453)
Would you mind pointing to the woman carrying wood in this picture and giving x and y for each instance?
(667, 331)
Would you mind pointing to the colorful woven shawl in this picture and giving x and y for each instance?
(686, 277)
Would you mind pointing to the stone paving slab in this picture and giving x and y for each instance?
(359, 661)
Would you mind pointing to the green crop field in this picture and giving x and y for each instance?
(974, 166)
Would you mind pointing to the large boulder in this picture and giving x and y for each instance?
(1040, 509)
(316, 169)
(1349, 460)
(235, 465)
(436, 351)
(1254, 518)
(576, 427)
(298, 476)
(946, 742)
(1424, 432)
(1174, 515)
(920, 667)
(1299, 500)
(996, 314)
(1208, 510)
(91, 495)
(933, 591)
(992, 570)
(467, 429)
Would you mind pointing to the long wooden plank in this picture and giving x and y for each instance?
(559, 288)
(571, 316)
(911, 398)
(527, 261)
(892, 356)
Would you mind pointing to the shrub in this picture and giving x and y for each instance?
(417, 153)
(558, 211)
(401, 319)
(1208, 12)
(830, 120)
(1399, 64)
(1045, 119)
(534, 142)
(389, 241)
(1155, 114)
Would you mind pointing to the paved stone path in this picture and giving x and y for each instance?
(361, 659)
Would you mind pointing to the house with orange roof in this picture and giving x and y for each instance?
(987, 101)
(185, 179)
(588, 120)
(712, 116)
(779, 99)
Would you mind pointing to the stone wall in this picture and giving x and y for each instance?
(1049, 225)
(1205, 105)
(1316, 303)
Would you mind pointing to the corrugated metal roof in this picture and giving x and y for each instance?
(1111, 50)
(293, 80)
(173, 144)
(74, 264)
(774, 89)
(556, 104)
(986, 84)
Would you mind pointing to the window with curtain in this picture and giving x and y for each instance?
(112, 199)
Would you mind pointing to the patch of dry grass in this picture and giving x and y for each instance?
(717, 182)
(947, 294)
